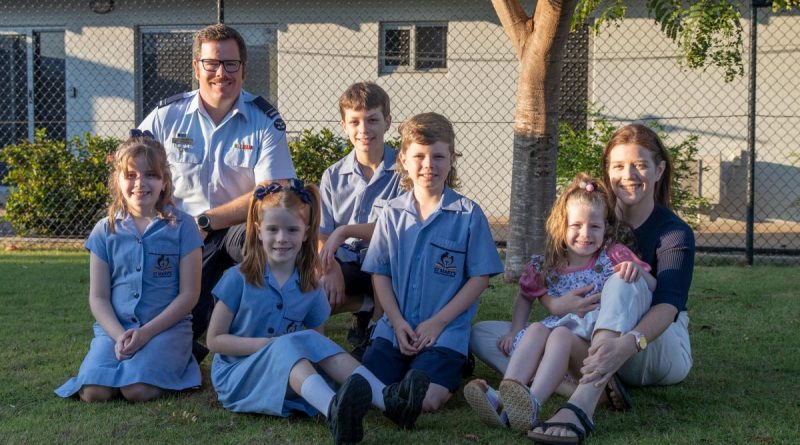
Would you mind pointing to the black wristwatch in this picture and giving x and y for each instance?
(204, 223)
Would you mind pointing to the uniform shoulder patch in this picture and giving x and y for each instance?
(169, 100)
(266, 107)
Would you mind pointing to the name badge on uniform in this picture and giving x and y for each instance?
(182, 142)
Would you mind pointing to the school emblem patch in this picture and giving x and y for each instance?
(293, 326)
(163, 267)
(445, 265)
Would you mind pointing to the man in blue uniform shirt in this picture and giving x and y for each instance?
(221, 141)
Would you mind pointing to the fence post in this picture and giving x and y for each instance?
(220, 11)
(751, 129)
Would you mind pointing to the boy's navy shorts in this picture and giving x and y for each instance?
(356, 281)
(442, 365)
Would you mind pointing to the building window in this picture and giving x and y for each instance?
(166, 66)
(166, 63)
(413, 47)
(33, 75)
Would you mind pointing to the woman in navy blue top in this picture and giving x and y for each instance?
(642, 337)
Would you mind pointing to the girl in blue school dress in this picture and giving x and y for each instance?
(431, 257)
(266, 327)
(144, 265)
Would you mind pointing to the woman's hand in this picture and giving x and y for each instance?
(427, 333)
(573, 302)
(506, 342)
(606, 356)
(406, 337)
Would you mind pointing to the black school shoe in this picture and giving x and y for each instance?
(347, 410)
(358, 334)
(403, 399)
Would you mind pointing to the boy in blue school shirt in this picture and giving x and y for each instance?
(353, 191)
(431, 256)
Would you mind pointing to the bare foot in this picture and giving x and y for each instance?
(562, 416)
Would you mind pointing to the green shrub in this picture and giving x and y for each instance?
(58, 188)
(313, 152)
(583, 151)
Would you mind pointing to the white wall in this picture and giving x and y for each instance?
(325, 45)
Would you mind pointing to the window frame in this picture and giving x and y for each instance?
(413, 57)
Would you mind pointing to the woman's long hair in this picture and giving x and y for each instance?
(645, 137)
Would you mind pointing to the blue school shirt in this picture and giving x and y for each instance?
(271, 310)
(213, 164)
(348, 198)
(430, 261)
(144, 268)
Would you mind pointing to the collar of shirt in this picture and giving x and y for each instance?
(450, 202)
(126, 220)
(196, 105)
(292, 283)
(388, 164)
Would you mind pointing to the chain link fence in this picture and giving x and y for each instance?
(74, 66)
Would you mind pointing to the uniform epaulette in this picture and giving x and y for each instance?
(265, 106)
(270, 111)
(169, 100)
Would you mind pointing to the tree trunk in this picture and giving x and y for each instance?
(539, 43)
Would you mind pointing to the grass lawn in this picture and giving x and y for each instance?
(744, 388)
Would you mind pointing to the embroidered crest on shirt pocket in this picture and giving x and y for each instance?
(292, 325)
(293, 318)
(165, 265)
(445, 265)
(448, 262)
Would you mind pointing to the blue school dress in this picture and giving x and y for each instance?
(144, 281)
(257, 383)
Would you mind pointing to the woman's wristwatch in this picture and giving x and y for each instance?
(640, 340)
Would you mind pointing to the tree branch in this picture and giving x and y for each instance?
(516, 23)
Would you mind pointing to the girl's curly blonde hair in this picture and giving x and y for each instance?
(590, 191)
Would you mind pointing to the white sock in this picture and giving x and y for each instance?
(375, 384)
(317, 392)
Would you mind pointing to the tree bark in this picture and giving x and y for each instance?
(539, 43)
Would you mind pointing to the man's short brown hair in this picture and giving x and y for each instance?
(364, 96)
(218, 33)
